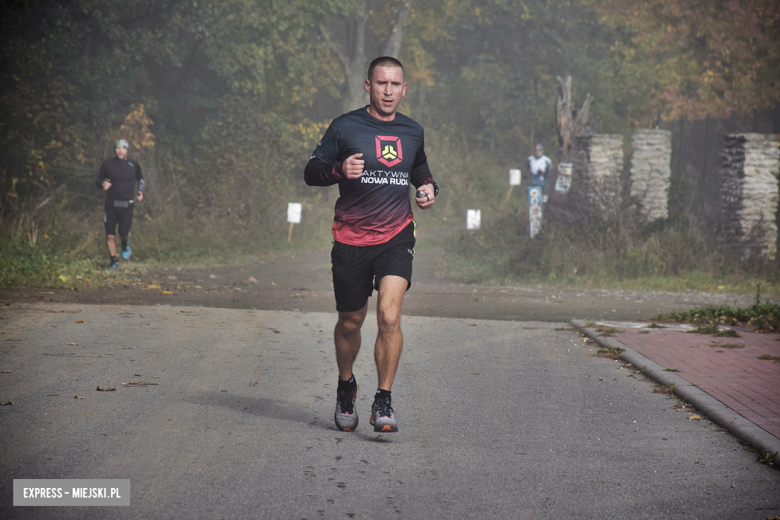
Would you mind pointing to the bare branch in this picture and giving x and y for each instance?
(339, 55)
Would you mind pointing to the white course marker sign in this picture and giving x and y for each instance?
(293, 216)
(514, 180)
(473, 217)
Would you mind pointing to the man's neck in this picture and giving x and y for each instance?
(376, 115)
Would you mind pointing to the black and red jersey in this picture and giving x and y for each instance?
(374, 208)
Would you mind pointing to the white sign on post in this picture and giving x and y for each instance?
(563, 183)
(473, 217)
(514, 177)
(294, 212)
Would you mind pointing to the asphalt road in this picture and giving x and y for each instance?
(498, 419)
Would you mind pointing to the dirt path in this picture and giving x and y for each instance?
(303, 282)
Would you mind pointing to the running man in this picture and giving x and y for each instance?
(117, 177)
(373, 154)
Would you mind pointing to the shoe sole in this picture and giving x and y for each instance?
(385, 428)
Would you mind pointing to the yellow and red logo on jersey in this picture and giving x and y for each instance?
(388, 150)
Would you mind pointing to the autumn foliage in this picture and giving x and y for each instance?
(704, 57)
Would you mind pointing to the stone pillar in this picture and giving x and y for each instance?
(598, 164)
(750, 170)
(651, 171)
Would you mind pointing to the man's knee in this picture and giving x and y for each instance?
(389, 320)
(352, 321)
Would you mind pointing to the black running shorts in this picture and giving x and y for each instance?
(115, 214)
(358, 269)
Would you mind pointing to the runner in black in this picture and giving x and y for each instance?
(374, 154)
(117, 176)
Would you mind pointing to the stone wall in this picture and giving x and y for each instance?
(750, 170)
(651, 171)
(598, 163)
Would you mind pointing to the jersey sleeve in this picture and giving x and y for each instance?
(421, 173)
(101, 176)
(324, 166)
(139, 176)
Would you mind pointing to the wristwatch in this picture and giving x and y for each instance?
(435, 188)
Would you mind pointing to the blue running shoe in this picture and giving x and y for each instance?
(126, 251)
(383, 416)
(113, 264)
(346, 415)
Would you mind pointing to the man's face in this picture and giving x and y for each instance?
(121, 153)
(385, 90)
(538, 151)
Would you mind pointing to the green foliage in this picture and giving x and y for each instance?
(765, 316)
(705, 329)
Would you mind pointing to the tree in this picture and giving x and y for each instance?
(701, 56)
(352, 24)
(568, 123)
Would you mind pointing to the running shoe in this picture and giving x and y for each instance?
(383, 416)
(346, 414)
(113, 264)
(126, 251)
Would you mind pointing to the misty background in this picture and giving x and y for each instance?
(223, 102)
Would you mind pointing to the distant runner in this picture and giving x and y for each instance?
(539, 166)
(117, 177)
(373, 154)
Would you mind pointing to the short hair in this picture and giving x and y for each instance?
(383, 61)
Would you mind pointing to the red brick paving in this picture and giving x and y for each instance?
(734, 376)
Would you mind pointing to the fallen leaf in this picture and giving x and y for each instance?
(601, 379)
(472, 324)
(77, 397)
(102, 389)
(74, 344)
(694, 417)
(172, 277)
(6, 403)
(5, 371)
(252, 279)
(79, 321)
(475, 373)
(276, 331)
(133, 383)
(167, 292)
(154, 286)
(63, 278)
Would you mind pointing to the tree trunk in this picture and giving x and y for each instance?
(568, 125)
(353, 56)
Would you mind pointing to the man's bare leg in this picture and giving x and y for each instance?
(390, 339)
(347, 338)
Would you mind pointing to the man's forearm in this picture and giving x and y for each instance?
(319, 173)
